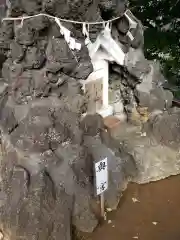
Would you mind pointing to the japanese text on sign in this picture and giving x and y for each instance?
(101, 171)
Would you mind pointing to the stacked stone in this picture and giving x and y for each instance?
(141, 79)
(46, 170)
(46, 167)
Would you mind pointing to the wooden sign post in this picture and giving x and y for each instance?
(101, 180)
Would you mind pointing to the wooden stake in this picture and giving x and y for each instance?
(102, 205)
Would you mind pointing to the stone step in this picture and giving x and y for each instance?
(112, 123)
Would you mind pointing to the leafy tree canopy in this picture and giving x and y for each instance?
(161, 19)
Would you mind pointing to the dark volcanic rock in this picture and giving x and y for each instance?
(3, 97)
(3, 89)
(31, 7)
(138, 41)
(83, 217)
(57, 8)
(24, 34)
(166, 128)
(150, 93)
(36, 215)
(19, 186)
(17, 51)
(82, 70)
(67, 123)
(39, 82)
(39, 23)
(2, 60)
(117, 182)
(123, 25)
(82, 67)
(6, 36)
(62, 221)
(49, 150)
(58, 55)
(112, 8)
(3, 9)
(11, 71)
(8, 121)
(6, 69)
(92, 124)
(32, 133)
(157, 99)
(59, 51)
(34, 58)
(52, 66)
(136, 63)
(22, 88)
(71, 173)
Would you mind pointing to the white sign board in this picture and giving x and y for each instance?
(101, 174)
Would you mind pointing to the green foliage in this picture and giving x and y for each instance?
(161, 19)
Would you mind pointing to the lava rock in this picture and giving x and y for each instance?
(18, 186)
(34, 58)
(3, 97)
(6, 69)
(136, 63)
(57, 8)
(82, 70)
(17, 51)
(123, 25)
(69, 123)
(21, 111)
(62, 222)
(16, 70)
(3, 198)
(2, 60)
(74, 87)
(54, 31)
(157, 99)
(16, 192)
(150, 92)
(6, 34)
(59, 50)
(69, 175)
(24, 34)
(3, 89)
(31, 7)
(22, 88)
(82, 217)
(120, 38)
(52, 66)
(58, 55)
(77, 105)
(117, 179)
(83, 67)
(39, 82)
(92, 124)
(124, 39)
(42, 204)
(15, 8)
(32, 132)
(8, 121)
(112, 8)
(56, 136)
(138, 41)
(164, 127)
(157, 77)
(3, 10)
(39, 23)
(61, 171)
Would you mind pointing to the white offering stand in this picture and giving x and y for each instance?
(104, 50)
(101, 72)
